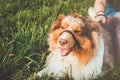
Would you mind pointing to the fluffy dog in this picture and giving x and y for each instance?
(78, 47)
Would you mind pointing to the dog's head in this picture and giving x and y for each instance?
(71, 33)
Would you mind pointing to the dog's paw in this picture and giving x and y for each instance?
(41, 73)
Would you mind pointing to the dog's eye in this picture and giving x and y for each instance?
(78, 32)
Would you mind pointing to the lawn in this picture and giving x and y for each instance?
(24, 27)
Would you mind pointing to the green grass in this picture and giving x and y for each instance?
(24, 25)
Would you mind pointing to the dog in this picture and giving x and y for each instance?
(78, 47)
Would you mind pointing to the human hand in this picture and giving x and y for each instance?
(100, 18)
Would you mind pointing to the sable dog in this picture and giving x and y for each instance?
(79, 47)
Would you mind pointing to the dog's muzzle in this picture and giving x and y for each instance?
(77, 43)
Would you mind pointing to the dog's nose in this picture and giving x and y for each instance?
(62, 42)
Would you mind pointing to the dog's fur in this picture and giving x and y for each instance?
(111, 35)
(78, 47)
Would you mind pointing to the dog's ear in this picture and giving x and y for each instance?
(61, 17)
(92, 25)
(57, 23)
(89, 23)
(89, 27)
